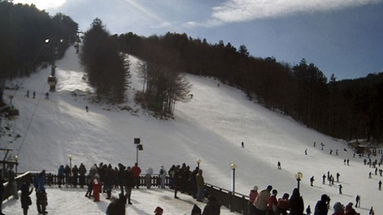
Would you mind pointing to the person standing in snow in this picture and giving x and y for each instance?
(34, 95)
(87, 109)
(96, 188)
(272, 203)
(243, 145)
(337, 177)
(136, 170)
(321, 208)
(117, 206)
(162, 176)
(25, 197)
(60, 175)
(41, 195)
(200, 185)
(371, 212)
(338, 209)
(308, 210)
(67, 172)
(305, 151)
(340, 189)
(108, 181)
(357, 201)
(312, 180)
(260, 203)
(148, 177)
(283, 204)
(324, 179)
(129, 184)
(252, 196)
(296, 203)
(380, 184)
(74, 175)
(212, 207)
(82, 172)
(279, 165)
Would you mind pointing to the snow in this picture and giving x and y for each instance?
(62, 201)
(210, 127)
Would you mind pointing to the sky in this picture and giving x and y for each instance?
(341, 37)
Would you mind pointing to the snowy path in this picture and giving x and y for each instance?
(69, 201)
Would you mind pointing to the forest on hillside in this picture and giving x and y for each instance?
(30, 37)
(348, 109)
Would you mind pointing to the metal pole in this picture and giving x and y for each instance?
(137, 154)
(233, 181)
(298, 180)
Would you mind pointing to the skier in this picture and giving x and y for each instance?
(348, 162)
(308, 210)
(337, 177)
(340, 189)
(324, 179)
(344, 161)
(311, 180)
(357, 201)
(25, 197)
(380, 185)
(305, 151)
(243, 145)
(279, 165)
(372, 212)
(87, 109)
(34, 94)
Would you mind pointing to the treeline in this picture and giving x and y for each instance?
(23, 46)
(105, 66)
(343, 109)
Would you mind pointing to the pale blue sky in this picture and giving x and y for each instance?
(344, 37)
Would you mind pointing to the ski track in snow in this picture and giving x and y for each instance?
(210, 127)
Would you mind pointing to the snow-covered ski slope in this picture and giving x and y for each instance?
(210, 127)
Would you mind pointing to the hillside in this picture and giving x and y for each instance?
(210, 127)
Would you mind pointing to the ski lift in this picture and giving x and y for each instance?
(52, 81)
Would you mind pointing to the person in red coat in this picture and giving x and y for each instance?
(136, 170)
(96, 188)
(272, 203)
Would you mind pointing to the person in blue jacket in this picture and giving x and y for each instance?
(41, 196)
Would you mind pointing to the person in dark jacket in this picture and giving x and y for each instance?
(60, 175)
(25, 197)
(74, 175)
(212, 207)
(82, 172)
(129, 184)
(117, 206)
(67, 172)
(196, 210)
(321, 208)
(296, 203)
